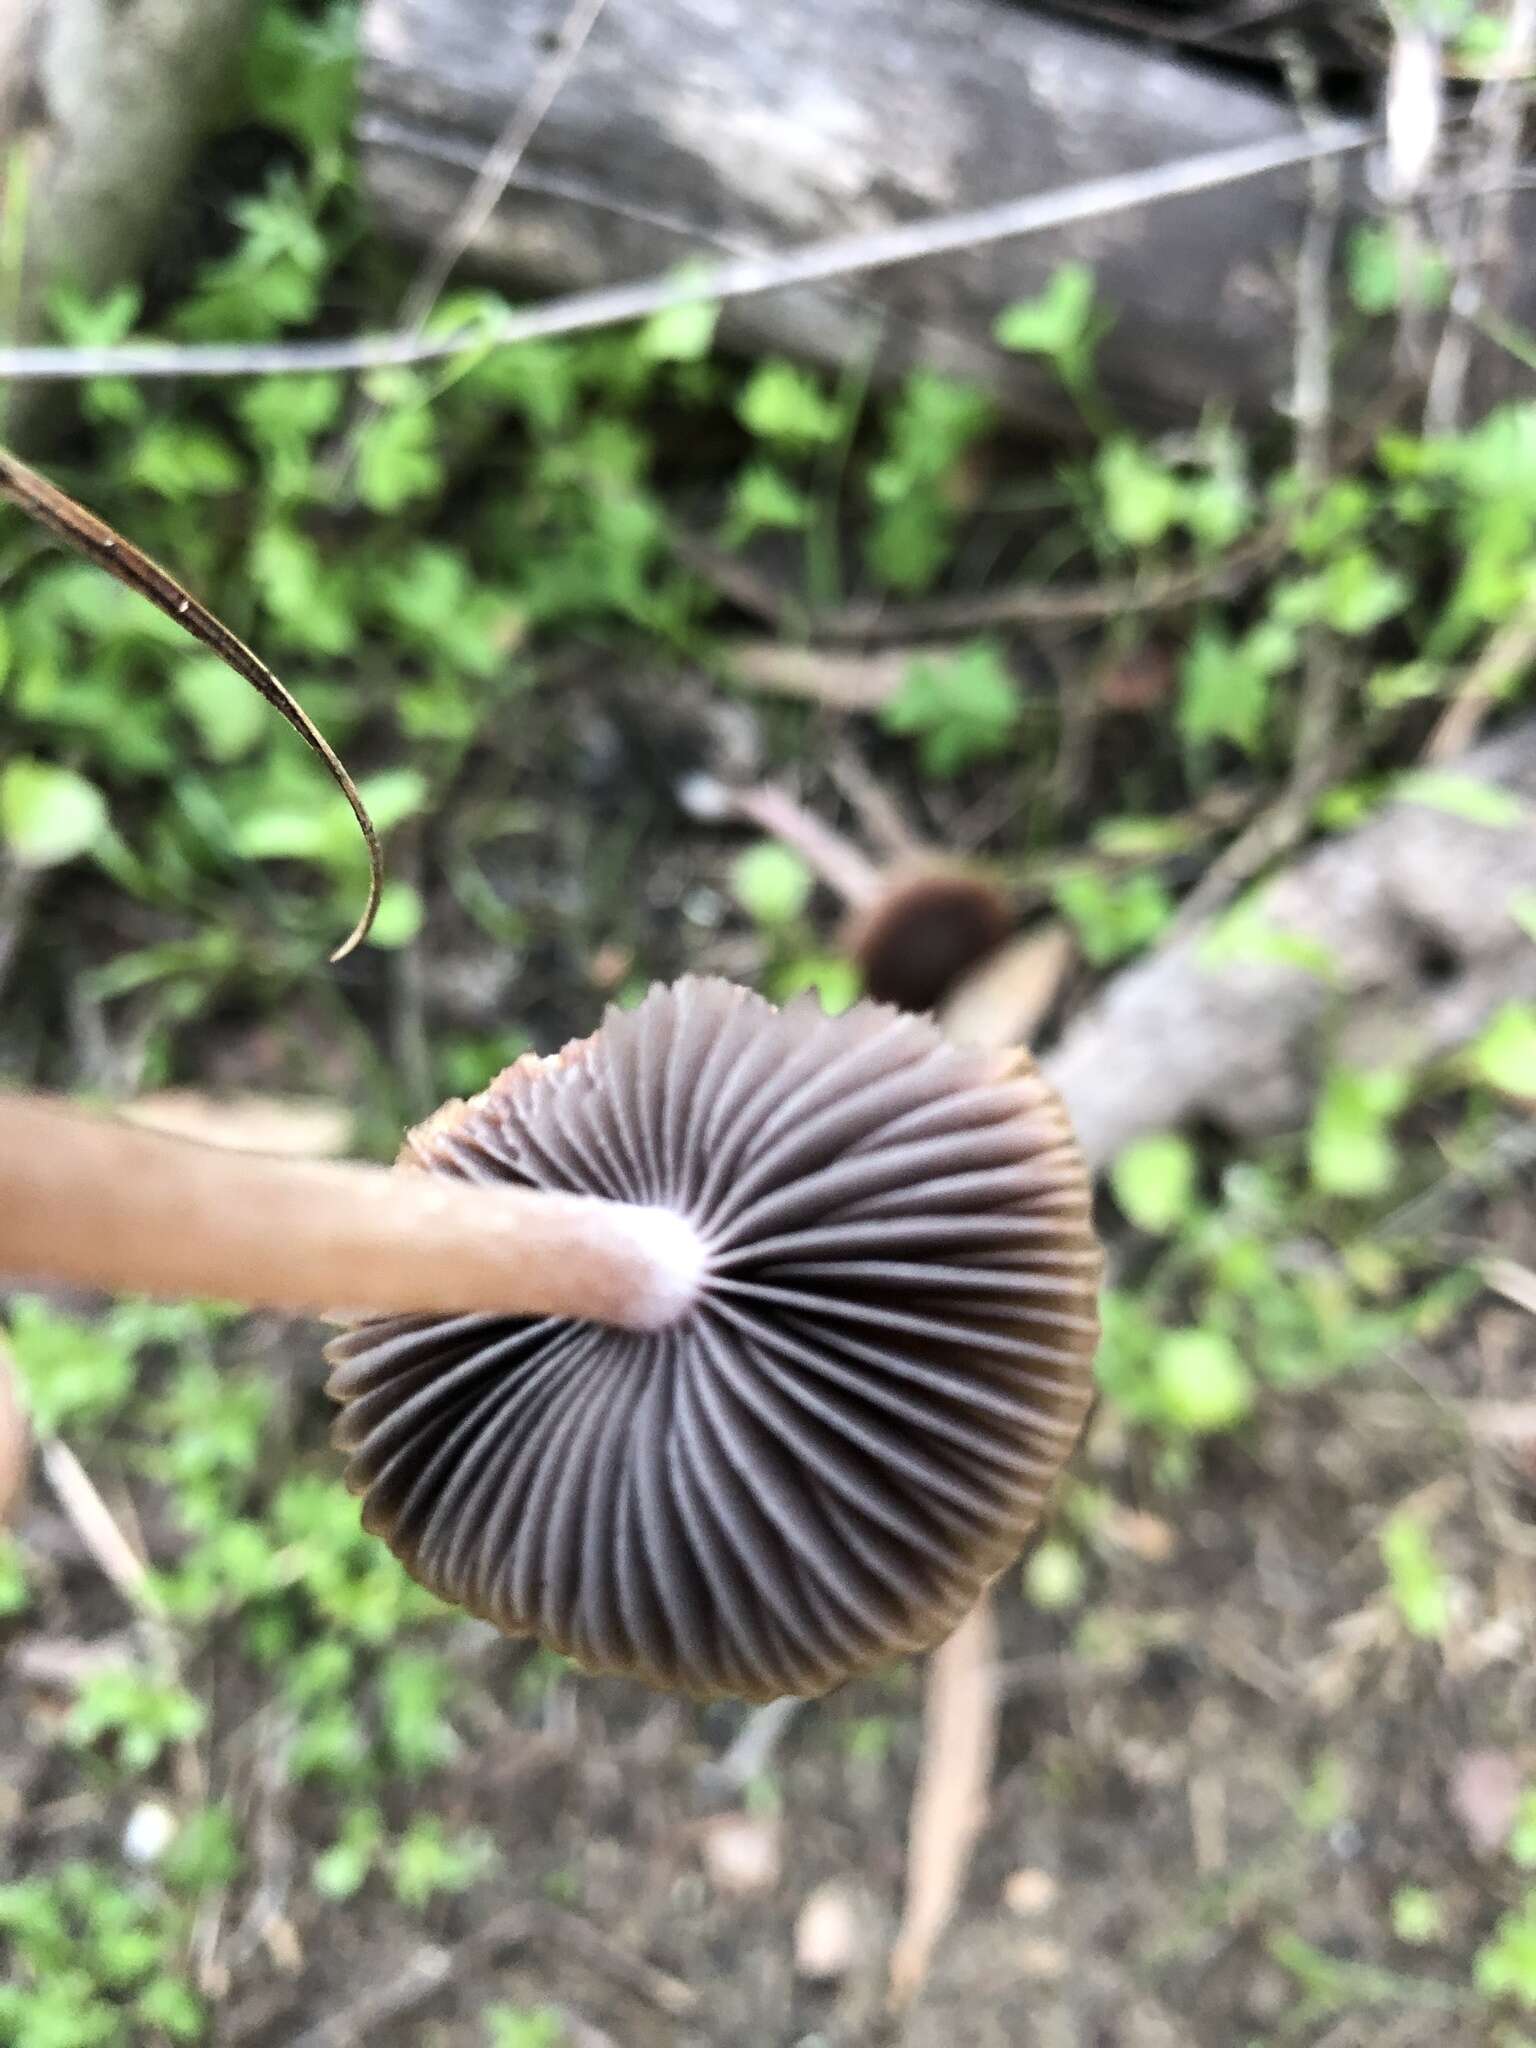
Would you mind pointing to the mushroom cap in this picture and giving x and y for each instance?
(821, 1464)
(932, 921)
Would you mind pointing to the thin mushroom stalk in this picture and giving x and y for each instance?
(87, 1200)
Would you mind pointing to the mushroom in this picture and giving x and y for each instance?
(850, 1428)
(732, 1349)
(913, 926)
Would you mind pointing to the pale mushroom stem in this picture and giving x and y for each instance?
(88, 1201)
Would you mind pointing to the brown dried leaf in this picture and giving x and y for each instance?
(1004, 1001)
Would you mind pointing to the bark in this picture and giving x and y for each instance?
(696, 126)
(1402, 941)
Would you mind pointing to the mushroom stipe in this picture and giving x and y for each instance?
(849, 1427)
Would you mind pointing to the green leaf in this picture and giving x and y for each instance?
(1054, 1577)
(962, 708)
(1113, 918)
(400, 916)
(1419, 1585)
(784, 403)
(1418, 1917)
(1350, 1148)
(1057, 322)
(1462, 796)
(764, 497)
(679, 334)
(1504, 1054)
(229, 715)
(1357, 593)
(1202, 1383)
(771, 884)
(1224, 686)
(1142, 497)
(49, 815)
(833, 980)
(397, 459)
(1154, 1183)
(1522, 908)
(1376, 271)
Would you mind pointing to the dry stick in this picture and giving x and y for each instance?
(1278, 828)
(91, 1202)
(949, 1804)
(742, 277)
(1498, 118)
(91, 537)
(1511, 650)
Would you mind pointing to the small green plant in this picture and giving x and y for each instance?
(138, 1713)
(961, 708)
(1506, 1963)
(89, 1962)
(1350, 1148)
(522, 2026)
(1154, 1183)
(1419, 1585)
(1418, 1916)
(428, 1860)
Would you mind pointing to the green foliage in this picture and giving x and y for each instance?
(1506, 1964)
(15, 1594)
(428, 1859)
(87, 1961)
(1504, 1054)
(1154, 1182)
(1113, 918)
(1350, 1147)
(517, 2026)
(341, 1871)
(771, 884)
(1417, 1580)
(48, 815)
(961, 708)
(1418, 1916)
(76, 1374)
(1201, 1382)
(136, 1712)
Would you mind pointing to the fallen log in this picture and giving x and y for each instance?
(691, 130)
(1393, 943)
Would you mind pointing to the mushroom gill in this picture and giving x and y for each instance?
(827, 1455)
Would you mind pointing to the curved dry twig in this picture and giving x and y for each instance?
(91, 537)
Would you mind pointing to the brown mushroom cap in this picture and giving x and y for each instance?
(822, 1463)
(931, 922)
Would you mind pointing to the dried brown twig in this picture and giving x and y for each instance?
(91, 537)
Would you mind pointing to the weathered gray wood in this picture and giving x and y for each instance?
(692, 125)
